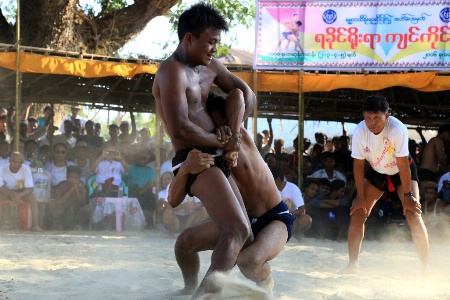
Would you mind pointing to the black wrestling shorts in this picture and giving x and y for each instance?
(388, 183)
(181, 156)
(280, 213)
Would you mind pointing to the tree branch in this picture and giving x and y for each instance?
(6, 30)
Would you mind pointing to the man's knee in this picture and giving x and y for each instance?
(358, 217)
(184, 242)
(236, 232)
(236, 93)
(248, 264)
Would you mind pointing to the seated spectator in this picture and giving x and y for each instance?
(433, 211)
(271, 160)
(44, 154)
(306, 167)
(108, 169)
(67, 137)
(292, 196)
(311, 191)
(78, 129)
(16, 183)
(82, 158)
(141, 180)
(41, 120)
(4, 150)
(97, 129)
(58, 166)
(335, 143)
(316, 157)
(264, 140)
(332, 212)
(94, 142)
(70, 209)
(290, 174)
(166, 179)
(324, 185)
(143, 144)
(189, 213)
(343, 157)
(113, 137)
(444, 188)
(328, 170)
(321, 138)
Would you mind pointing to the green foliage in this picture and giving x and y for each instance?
(237, 12)
(9, 9)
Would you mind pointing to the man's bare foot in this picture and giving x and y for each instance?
(426, 270)
(184, 291)
(267, 284)
(351, 268)
(36, 228)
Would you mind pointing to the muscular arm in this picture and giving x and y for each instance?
(227, 81)
(405, 173)
(439, 149)
(358, 171)
(171, 88)
(195, 163)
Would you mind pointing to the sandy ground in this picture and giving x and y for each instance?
(141, 265)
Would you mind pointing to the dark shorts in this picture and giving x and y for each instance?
(219, 162)
(280, 213)
(388, 183)
(286, 34)
(425, 174)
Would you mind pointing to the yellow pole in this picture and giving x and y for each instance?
(255, 108)
(301, 129)
(18, 79)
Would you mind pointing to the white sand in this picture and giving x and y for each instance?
(141, 265)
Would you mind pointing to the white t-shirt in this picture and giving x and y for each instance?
(82, 121)
(292, 196)
(14, 181)
(382, 149)
(106, 169)
(322, 173)
(444, 177)
(57, 174)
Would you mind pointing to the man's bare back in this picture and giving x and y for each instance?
(433, 155)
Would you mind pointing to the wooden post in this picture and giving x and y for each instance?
(255, 108)
(301, 130)
(18, 81)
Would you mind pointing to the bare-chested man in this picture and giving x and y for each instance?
(181, 87)
(291, 33)
(270, 218)
(434, 161)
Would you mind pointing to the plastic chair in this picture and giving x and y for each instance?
(20, 216)
(92, 185)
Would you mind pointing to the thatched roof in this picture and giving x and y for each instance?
(426, 108)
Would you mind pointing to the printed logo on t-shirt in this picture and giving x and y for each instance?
(288, 202)
(366, 150)
(388, 147)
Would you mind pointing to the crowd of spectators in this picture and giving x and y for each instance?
(58, 169)
(329, 186)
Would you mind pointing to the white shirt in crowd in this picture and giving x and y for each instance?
(16, 181)
(292, 196)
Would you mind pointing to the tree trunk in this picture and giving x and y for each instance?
(62, 24)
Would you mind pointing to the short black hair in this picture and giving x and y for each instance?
(327, 154)
(376, 103)
(198, 18)
(59, 144)
(336, 185)
(277, 172)
(74, 169)
(215, 103)
(444, 128)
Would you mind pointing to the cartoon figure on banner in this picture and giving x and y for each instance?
(291, 34)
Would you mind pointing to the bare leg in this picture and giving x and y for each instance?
(302, 224)
(356, 229)
(170, 221)
(253, 260)
(191, 241)
(418, 230)
(225, 209)
(34, 211)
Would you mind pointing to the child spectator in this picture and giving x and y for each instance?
(70, 209)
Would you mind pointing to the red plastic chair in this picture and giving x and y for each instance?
(24, 214)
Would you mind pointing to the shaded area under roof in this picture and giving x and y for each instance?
(430, 109)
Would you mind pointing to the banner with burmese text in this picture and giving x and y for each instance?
(352, 35)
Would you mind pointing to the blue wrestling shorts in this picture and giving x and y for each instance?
(219, 162)
(280, 213)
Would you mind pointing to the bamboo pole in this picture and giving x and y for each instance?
(301, 129)
(255, 108)
(18, 81)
